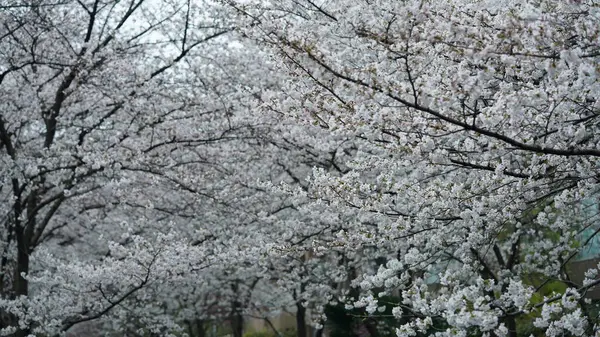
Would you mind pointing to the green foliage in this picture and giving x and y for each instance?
(339, 320)
(351, 323)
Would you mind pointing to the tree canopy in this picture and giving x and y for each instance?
(416, 167)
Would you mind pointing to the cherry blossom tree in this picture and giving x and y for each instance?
(110, 110)
(479, 121)
(160, 171)
(139, 167)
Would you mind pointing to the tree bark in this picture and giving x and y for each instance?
(201, 328)
(23, 235)
(20, 284)
(237, 321)
(300, 320)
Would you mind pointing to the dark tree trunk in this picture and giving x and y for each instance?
(23, 236)
(201, 328)
(20, 285)
(320, 332)
(237, 321)
(300, 320)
